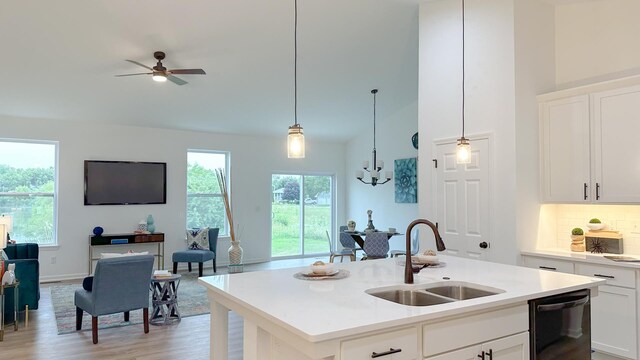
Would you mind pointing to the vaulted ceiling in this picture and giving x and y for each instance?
(59, 58)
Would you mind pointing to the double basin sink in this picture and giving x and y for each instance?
(433, 294)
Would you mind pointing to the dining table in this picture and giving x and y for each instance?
(358, 236)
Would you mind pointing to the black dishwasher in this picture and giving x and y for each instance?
(560, 327)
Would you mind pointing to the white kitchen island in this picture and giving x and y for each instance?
(287, 318)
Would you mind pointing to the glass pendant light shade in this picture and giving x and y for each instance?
(295, 142)
(463, 151)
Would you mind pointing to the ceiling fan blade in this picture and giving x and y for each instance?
(176, 80)
(188, 71)
(134, 74)
(139, 64)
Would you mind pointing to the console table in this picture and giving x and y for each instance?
(126, 239)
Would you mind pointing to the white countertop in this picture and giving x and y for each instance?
(330, 309)
(586, 257)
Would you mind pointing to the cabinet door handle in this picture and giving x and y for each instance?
(490, 354)
(391, 351)
(547, 268)
(481, 356)
(597, 191)
(605, 276)
(585, 191)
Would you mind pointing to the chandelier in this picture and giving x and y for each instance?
(377, 165)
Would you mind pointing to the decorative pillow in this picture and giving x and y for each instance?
(87, 283)
(113, 255)
(198, 239)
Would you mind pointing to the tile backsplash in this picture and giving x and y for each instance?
(623, 218)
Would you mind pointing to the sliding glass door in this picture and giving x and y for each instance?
(301, 208)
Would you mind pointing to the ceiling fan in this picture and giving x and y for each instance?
(162, 74)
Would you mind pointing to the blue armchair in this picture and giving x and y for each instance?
(25, 256)
(119, 285)
(199, 256)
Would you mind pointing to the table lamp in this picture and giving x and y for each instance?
(7, 220)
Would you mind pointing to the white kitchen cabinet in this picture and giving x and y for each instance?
(548, 264)
(613, 321)
(613, 311)
(616, 160)
(515, 347)
(392, 345)
(565, 149)
(587, 148)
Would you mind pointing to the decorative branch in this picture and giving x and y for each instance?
(222, 182)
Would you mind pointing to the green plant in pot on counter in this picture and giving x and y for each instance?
(577, 239)
(595, 221)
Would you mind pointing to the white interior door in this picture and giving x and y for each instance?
(462, 198)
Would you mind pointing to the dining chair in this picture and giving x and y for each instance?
(341, 253)
(415, 246)
(376, 245)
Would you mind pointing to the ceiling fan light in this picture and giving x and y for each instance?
(159, 77)
(295, 142)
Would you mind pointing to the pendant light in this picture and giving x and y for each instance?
(377, 165)
(295, 139)
(463, 149)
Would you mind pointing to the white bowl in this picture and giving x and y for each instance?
(322, 269)
(596, 226)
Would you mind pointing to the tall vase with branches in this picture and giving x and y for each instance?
(235, 251)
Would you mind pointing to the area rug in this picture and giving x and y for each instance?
(192, 300)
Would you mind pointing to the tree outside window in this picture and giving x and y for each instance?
(205, 206)
(28, 190)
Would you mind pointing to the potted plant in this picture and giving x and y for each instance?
(595, 224)
(577, 240)
(577, 234)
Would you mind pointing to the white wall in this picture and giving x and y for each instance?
(534, 74)
(596, 40)
(562, 218)
(393, 141)
(253, 160)
(499, 99)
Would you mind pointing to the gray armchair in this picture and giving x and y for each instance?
(119, 285)
(199, 256)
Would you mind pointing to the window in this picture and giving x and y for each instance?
(205, 207)
(28, 189)
(300, 228)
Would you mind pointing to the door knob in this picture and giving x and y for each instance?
(484, 245)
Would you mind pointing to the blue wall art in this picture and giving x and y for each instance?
(406, 180)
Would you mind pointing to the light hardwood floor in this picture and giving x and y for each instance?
(188, 339)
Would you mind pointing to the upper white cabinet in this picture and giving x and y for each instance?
(565, 149)
(616, 159)
(587, 139)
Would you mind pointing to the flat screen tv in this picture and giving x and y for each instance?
(124, 182)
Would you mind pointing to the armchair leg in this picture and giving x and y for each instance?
(199, 269)
(126, 316)
(145, 319)
(94, 329)
(214, 265)
(189, 267)
(175, 267)
(78, 318)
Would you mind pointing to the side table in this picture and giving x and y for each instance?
(3, 288)
(165, 300)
